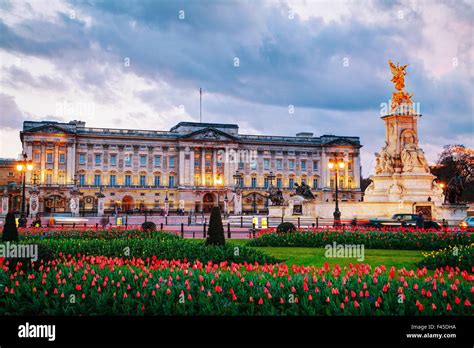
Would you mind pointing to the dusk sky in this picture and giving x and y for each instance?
(140, 64)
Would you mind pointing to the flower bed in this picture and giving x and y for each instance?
(374, 239)
(90, 233)
(99, 285)
(161, 246)
(461, 257)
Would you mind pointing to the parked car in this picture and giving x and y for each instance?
(401, 220)
(467, 224)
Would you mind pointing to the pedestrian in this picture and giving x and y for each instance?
(420, 221)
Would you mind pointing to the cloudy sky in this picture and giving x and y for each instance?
(273, 67)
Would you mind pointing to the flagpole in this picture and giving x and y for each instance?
(200, 105)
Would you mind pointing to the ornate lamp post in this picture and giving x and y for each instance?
(23, 167)
(337, 214)
(226, 201)
(166, 203)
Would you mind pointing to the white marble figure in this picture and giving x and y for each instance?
(412, 156)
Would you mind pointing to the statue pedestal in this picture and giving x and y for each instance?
(415, 187)
(277, 210)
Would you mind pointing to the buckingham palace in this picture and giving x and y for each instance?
(191, 167)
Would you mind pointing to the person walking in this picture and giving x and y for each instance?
(420, 221)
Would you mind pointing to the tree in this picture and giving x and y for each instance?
(10, 231)
(456, 164)
(216, 230)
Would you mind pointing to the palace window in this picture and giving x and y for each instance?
(315, 166)
(254, 182)
(98, 159)
(62, 158)
(315, 183)
(266, 183)
(128, 180)
(37, 157)
(208, 180)
(128, 160)
(142, 180)
(266, 164)
(113, 160)
(279, 183)
(157, 161)
(291, 164)
(171, 181)
(49, 179)
(253, 164)
(303, 164)
(197, 180)
(142, 160)
(113, 180)
(97, 179)
(61, 179)
(49, 157)
(157, 180)
(82, 158)
(82, 179)
(291, 183)
(279, 164)
(171, 162)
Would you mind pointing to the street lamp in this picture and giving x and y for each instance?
(23, 167)
(337, 214)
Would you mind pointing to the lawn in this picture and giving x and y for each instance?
(315, 256)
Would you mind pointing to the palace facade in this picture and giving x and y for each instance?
(193, 166)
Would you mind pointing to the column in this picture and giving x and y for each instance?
(43, 163)
(191, 167)
(214, 166)
(70, 162)
(181, 166)
(346, 175)
(226, 164)
(203, 166)
(325, 178)
(56, 163)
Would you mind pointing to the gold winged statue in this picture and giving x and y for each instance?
(400, 98)
(399, 73)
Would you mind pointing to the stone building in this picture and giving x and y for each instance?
(192, 166)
